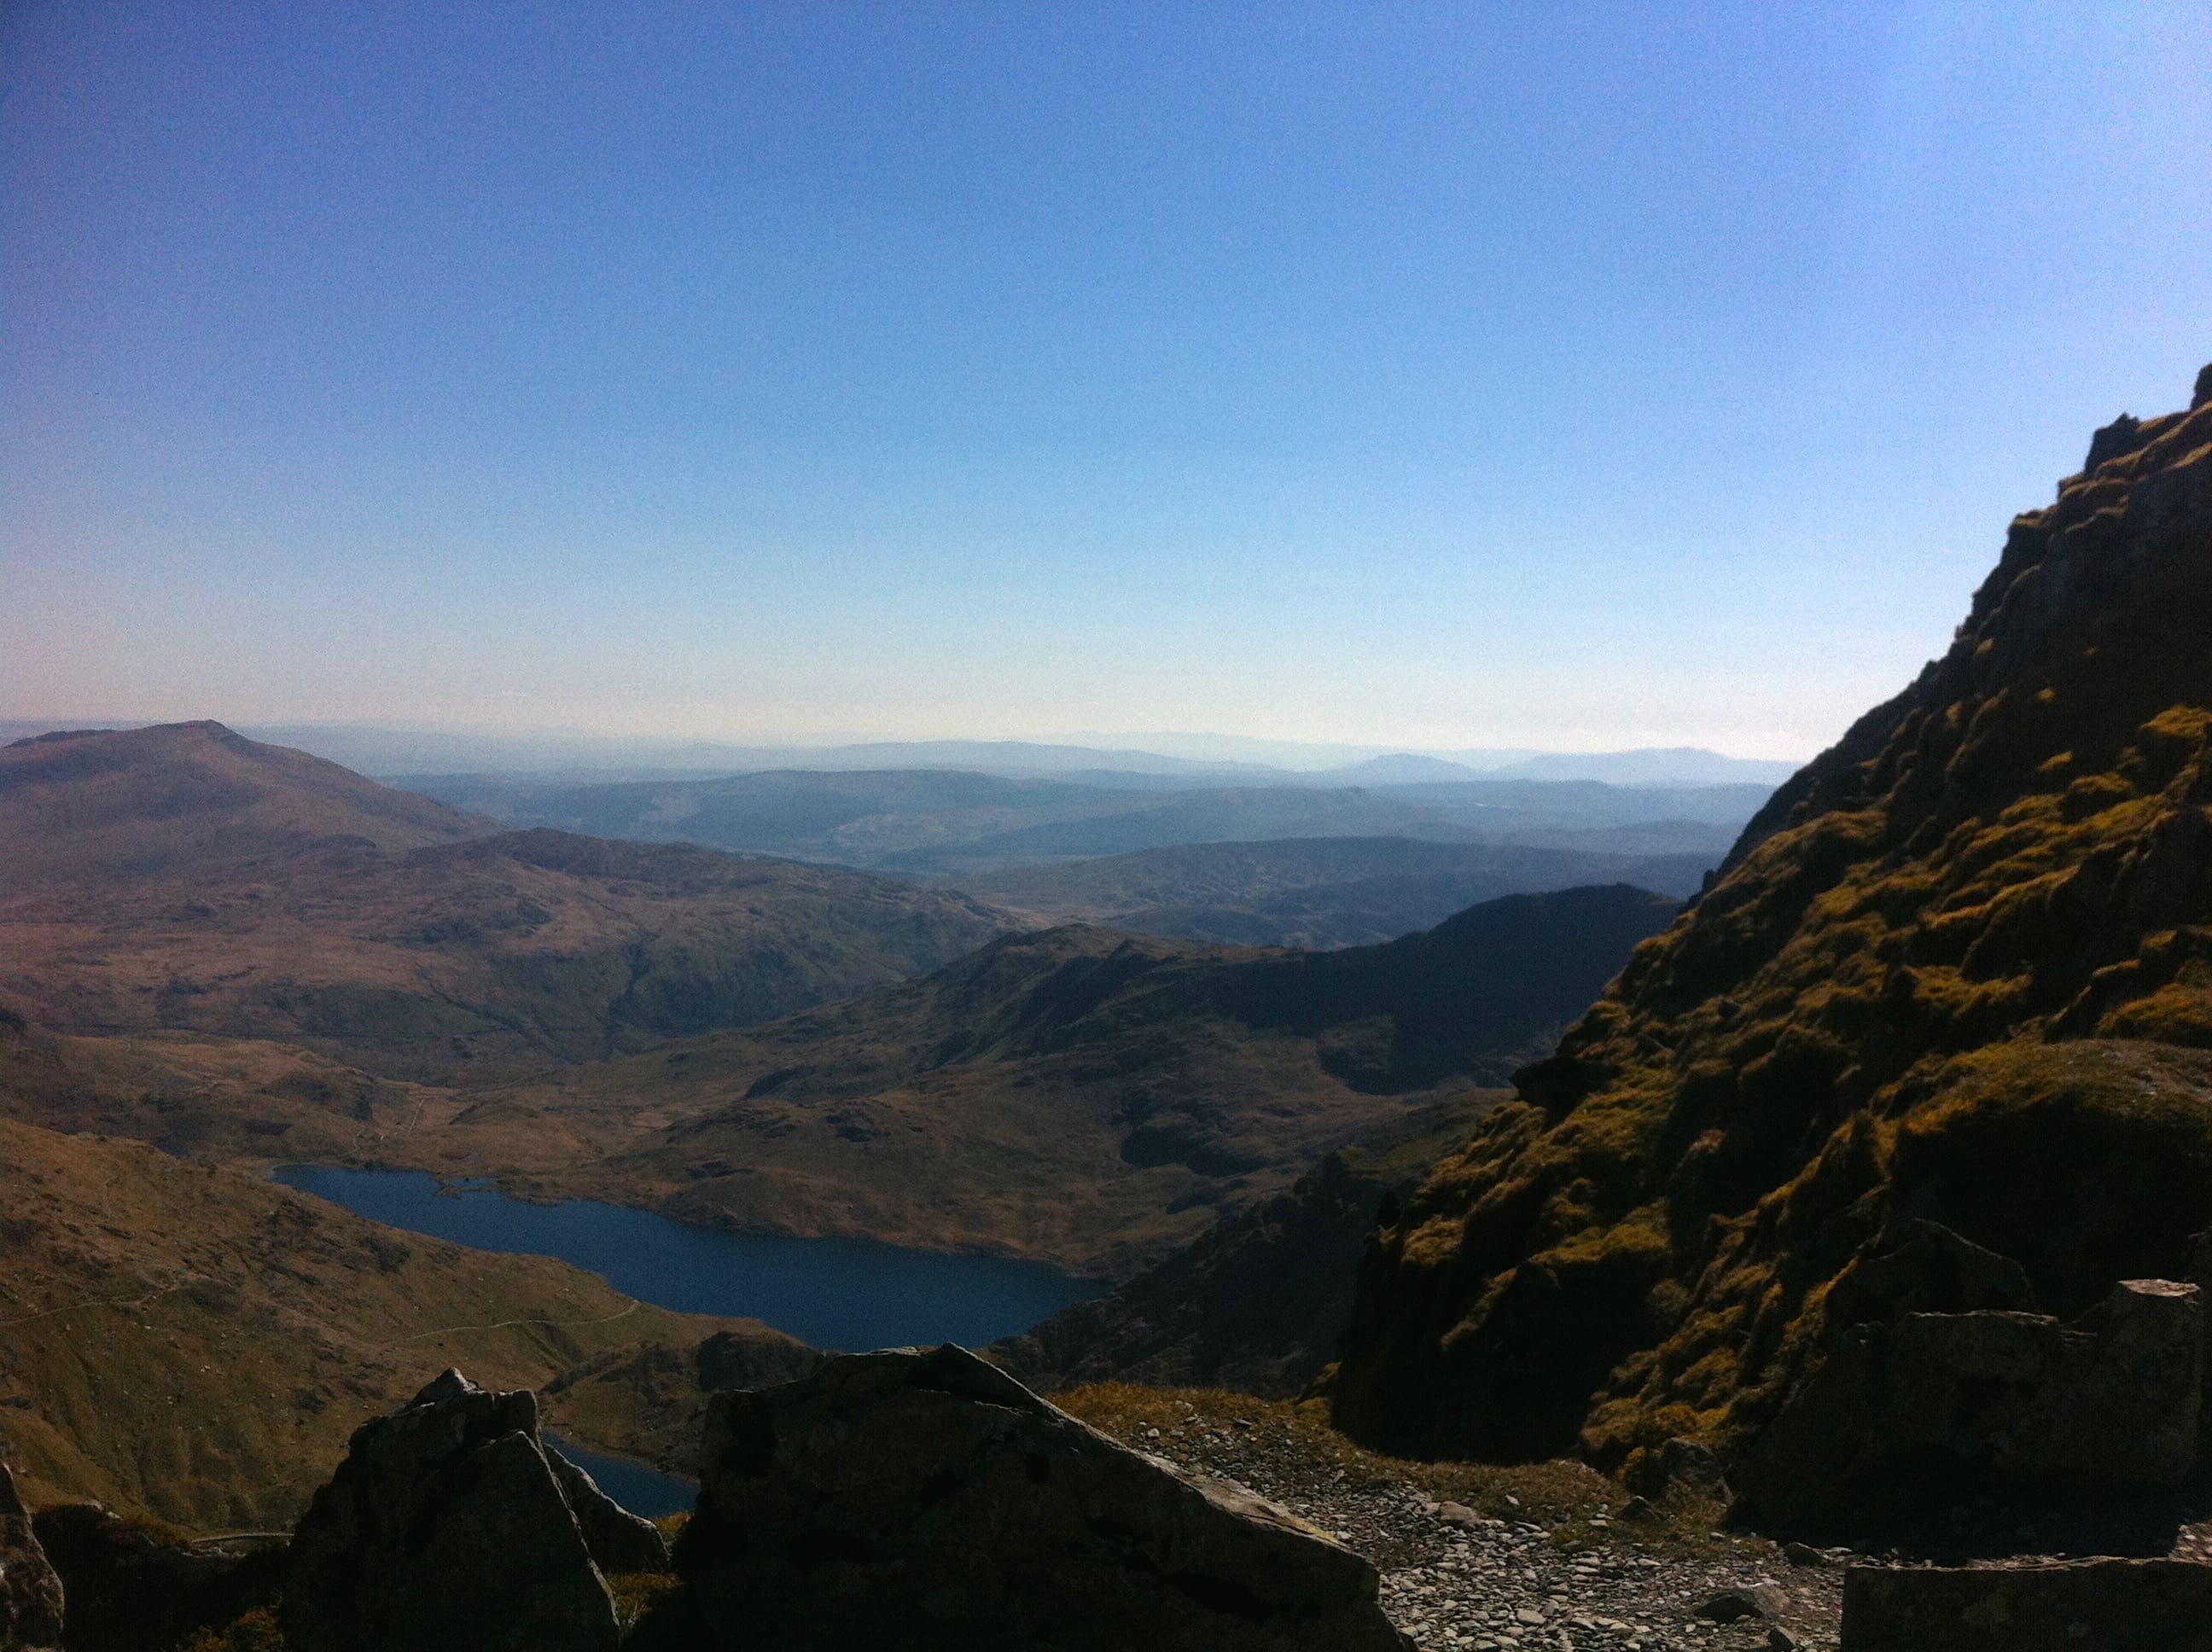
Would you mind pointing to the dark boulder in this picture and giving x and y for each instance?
(131, 1586)
(927, 1500)
(2088, 1606)
(450, 1525)
(730, 1360)
(1948, 1404)
(30, 1592)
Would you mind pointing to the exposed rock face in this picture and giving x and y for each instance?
(2090, 1606)
(1909, 1406)
(927, 1500)
(1959, 968)
(449, 1525)
(130, 1588)
(30, 1592)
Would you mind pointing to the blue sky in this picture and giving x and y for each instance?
(1574, 376)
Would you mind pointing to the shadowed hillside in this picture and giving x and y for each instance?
(1255, 1304)
(182, 878)
(1957, 971)
(1082, 1095)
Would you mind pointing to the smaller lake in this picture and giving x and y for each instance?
(642, 1491)
(844, 1294)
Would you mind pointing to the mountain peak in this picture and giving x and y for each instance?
(135, 801)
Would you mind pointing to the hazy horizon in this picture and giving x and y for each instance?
(1195, 745)
(1411, 378)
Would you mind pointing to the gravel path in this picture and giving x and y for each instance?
(1455, 1579)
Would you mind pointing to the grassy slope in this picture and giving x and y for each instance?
(192, 1342)
(1957, 968)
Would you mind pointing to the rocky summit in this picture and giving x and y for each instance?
(927, 1500)
(449, 1525)
(1958, 971)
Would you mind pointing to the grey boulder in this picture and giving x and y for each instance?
(2087, 1606)
(1944, 1404)
(928, 1500)
(449, 1525)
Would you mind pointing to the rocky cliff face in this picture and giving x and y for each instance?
(1957, 971)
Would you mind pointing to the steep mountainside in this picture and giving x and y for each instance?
(1957, 970)
(1082, 1095)
(1312, 893)
(184, 1340)
(145, 884)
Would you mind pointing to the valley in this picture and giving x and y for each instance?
(218, 957)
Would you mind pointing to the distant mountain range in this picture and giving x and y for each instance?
(1198, 758)
(966, 827)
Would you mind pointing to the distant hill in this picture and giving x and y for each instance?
(1399, 769)
(1650, 766)
(1313, 893)
(183, 878)
(958, 825)
(150, 800)
(1079, 1095)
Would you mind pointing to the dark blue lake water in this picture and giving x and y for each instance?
(844, 1294)
(640, 1490)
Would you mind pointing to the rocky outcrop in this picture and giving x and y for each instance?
(131, 1586)
(2090, 1606)
(450, 1525)
(30, 1592)
(1959, 968)
(1933, 1404)
(927, 1500)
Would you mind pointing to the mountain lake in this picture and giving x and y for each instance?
(844, 1294)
